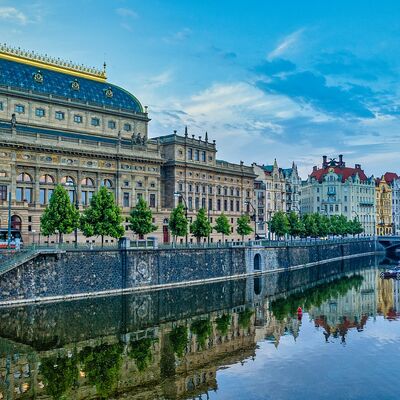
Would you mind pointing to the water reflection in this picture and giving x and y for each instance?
(172, 343)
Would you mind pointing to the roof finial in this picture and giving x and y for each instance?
(206, 137)
(186, 131)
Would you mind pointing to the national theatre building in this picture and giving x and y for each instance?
(62, 123)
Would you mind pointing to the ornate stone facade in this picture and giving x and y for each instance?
(65, 124)
(384, 216)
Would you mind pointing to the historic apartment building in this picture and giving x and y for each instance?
(393, 180)
(276, 189)
(384, 216)
(62, 123)
(336, 189)
(191, 173)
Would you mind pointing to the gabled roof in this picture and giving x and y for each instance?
(344, 172)
(390, 177)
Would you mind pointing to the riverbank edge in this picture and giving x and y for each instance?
(140, 289)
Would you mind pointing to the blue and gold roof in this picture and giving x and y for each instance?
(44, 75)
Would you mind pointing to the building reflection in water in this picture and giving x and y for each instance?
(170, 344)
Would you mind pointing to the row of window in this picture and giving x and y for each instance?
(60, 116)
(221, 205)
(196, 155)
(203, 189)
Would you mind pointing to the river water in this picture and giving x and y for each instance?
(239, 339)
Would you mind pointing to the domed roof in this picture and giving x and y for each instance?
(47, 80)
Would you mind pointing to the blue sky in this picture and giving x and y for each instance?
(291, 79)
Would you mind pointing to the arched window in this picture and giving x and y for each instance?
(16, 222)
(87, 182)
(107, 183)
(24, 177)
(46, 179)
(67, 180)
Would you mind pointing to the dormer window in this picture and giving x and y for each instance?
(40, 112)
(95, 122)
(127, 127)
(111, 124)
(19, 108)
(78, 118)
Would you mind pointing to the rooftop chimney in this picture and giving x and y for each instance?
(324, 162)
(341, 163)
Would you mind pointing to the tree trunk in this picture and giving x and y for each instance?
(60, 238)
(102, 240)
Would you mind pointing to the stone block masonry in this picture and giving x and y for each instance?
(83, 273)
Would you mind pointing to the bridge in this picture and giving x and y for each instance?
(390, 243)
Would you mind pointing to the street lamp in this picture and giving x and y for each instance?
(247, 202)
(181, 196)
(73, 184)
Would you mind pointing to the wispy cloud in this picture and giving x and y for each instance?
(178, 36)
(126, 12)
(286, 44)
(159, 80)
(12, 14)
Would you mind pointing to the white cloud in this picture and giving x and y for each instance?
(159, 80)
(286, 44)
(14, 15)
(178, 36)
(126, 12)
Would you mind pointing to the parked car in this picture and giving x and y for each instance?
(391, 273)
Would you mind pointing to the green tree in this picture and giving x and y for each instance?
(243, 226)
(310, 225)
(323, 224)
(279, 224)
(296, 226)
(354, 227)
(141, 219)
(102, 217)
(338, 225)
(60, 215)
(201, 227)
(178, 223)
(222, 226)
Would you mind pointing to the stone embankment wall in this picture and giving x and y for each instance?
(84, 273)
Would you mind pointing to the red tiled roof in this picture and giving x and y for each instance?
(345, 172)
(390, 177)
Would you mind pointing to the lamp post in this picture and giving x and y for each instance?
(181, 196)
(248, 202)
(73, 184)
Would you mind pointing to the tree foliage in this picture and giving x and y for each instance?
(296, 225)
(59, 374)
(279, 224)
(60, 215)
(102, 365)
(178, 223)
(222, 226)
(102, 217)
(141, 219)
(201, 226)
(243, 226)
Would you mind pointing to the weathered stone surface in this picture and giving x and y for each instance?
(92, 271)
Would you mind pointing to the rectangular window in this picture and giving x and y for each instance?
(40, 112)
(49, 194)
(197, 203)
(78, 118)
(138, 197)
(19, 108)
(336, 207)
(90, 195)
(180, 187)
(3, 192)
(203, 156)
(190, 154)
(210, 190)
(19, 194)
(126, 200)
(219, 205)
(59, 115)
(237, 205)
(1, 106)
(42, 196)
(84, 199)
(152, 200)
(127, 127)
(95, 122)
(111, 124)
(203, 202)
(190, 188)
(232, 208)
(196, 155)
(28, 195)
(71, 194)
(190, 203)
(225, 205)
(210, 204)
